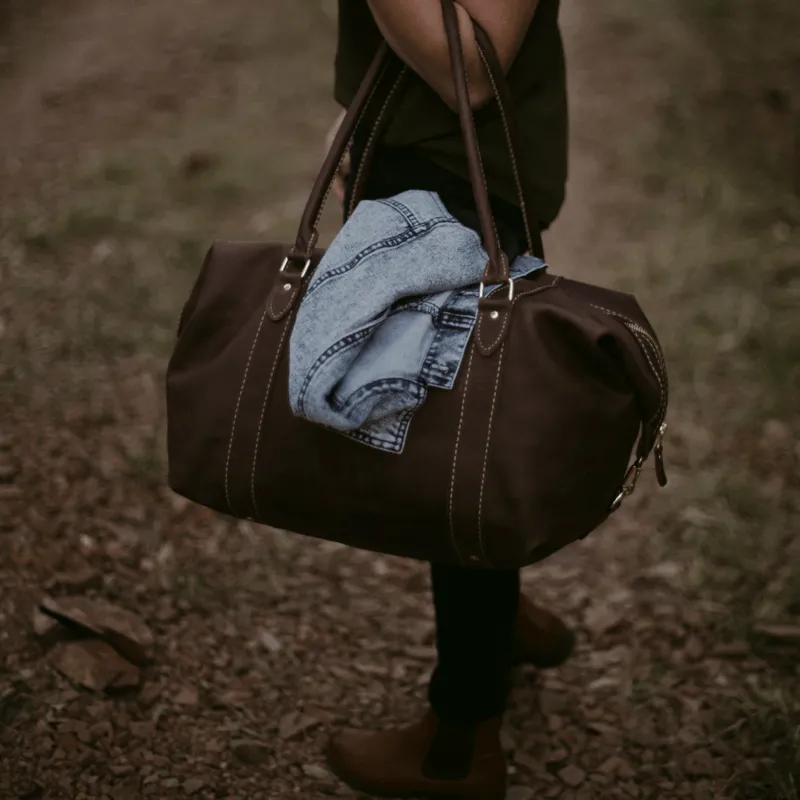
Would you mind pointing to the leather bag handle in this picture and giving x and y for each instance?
(381, 121)
(505, 103)
(385, 65)
(307, 234)
(497, 269)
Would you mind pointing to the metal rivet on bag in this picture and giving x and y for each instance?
(494, 314)
(287, 287)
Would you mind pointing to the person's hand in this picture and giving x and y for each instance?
(342, 173)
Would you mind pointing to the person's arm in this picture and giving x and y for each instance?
(415, 30)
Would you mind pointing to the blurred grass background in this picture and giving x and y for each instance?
(722, 169)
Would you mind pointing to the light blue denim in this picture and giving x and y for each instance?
(387, 315)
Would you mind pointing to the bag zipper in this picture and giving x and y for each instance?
(658, 366)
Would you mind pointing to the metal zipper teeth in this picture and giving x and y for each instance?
(653, 353)
(660, 372)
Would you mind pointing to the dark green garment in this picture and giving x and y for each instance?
(424, 122)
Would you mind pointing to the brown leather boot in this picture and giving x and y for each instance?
(427, 759)
(540, 638)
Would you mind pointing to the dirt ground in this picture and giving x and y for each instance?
(133, 134)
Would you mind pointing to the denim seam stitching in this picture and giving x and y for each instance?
(389, 440)
(370, 389)
(422, 306)
(384, 244)
(397, 440)
(404, 211)
(343, 344)
(371, 439)
(451, 318)
(450, 337)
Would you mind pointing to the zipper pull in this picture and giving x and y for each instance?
(658, 451)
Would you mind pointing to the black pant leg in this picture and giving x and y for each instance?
(476, 612)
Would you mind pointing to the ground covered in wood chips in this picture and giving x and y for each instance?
(213, 657)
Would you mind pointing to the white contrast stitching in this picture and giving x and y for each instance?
(455, 455)
(486, 455)
(339, 166)
(274, 315)
(508, 314)
(236, 412)
(503, 329)
(644, 338)
(368, 146)
(514, 167)
(261, 419)
(483, 173)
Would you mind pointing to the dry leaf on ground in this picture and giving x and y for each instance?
(123, 629)
(95, 665)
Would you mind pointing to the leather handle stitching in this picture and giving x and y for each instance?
(368, 148)
(485, 183)
(329, 189)
(510, 144)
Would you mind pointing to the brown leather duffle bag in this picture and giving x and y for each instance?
(561, 398)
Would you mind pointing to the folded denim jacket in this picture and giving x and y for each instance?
(387, 315)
